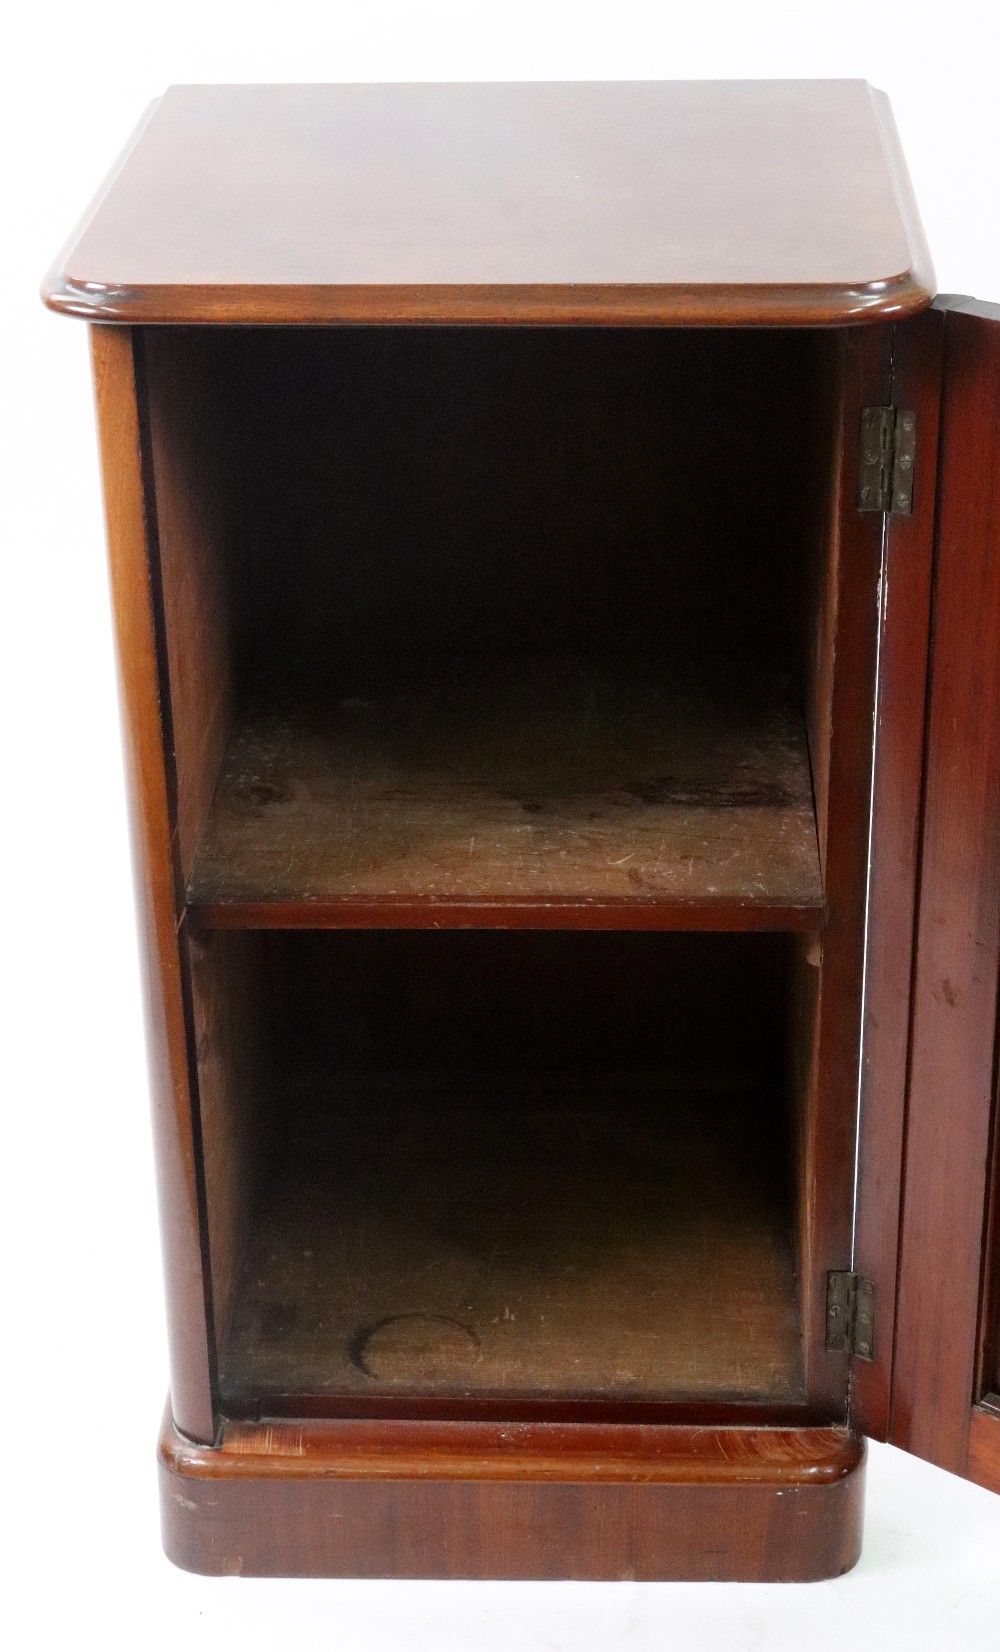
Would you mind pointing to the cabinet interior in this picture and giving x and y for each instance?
(506, 1163)
(499, 665)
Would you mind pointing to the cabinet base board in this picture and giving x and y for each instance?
(492, 1500)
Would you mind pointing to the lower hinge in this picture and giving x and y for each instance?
(888, 450)
(850, 1315)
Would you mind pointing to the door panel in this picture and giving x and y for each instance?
(984, 1428)
(899, 767)
(942, 1374)
(992, 1361)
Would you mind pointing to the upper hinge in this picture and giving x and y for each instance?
(850, 1315)
(888, 448)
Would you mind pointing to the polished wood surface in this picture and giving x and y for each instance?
(952, 1084)
(988, 1374)
(824, 642)
(482, 1500)
(896, 807)
(141, 665)
(559, 793)
(597, 1239)
(640, 202)
(983, 1462)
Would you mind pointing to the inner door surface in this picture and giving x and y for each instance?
(945, 1394)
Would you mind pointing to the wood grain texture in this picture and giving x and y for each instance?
(509, 1021)
(145, 741)
(556, 787)
(896, 804)
(823, 460)
(828, 420)
(983, 1463)
(514, 1501)
(952, 1083)
(468, 1238)
(988, 1364)
(841, 723)
(191, 481)
(232, 1033)
(681, 203)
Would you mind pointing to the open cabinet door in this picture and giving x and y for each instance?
(945, 1397)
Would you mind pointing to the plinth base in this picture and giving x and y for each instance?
(497, 1500)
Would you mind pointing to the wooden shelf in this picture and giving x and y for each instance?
(548, 795)
(515, 1238)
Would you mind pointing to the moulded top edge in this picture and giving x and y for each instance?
(659, 203)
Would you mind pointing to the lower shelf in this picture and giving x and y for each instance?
(517, 1239)
(484, 1500)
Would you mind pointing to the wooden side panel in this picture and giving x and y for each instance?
(983, 1464)
(146, 767)
(952, 1080)
(192, 455)
(841, 731)
(229, 977)
(487, 1500)
(898, 783)
(818, 598)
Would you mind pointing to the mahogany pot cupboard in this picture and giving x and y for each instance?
(555, 545)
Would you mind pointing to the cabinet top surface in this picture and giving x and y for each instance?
(617, 202)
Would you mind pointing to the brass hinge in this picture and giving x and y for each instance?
(850, 1315)
(888, 448)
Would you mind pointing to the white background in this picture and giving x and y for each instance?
(85, 1363)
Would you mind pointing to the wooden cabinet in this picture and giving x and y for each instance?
(552, 534)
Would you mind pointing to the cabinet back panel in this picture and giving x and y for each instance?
(585, 1134)
(408, 494)
(537, 1001)
(424, 494)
